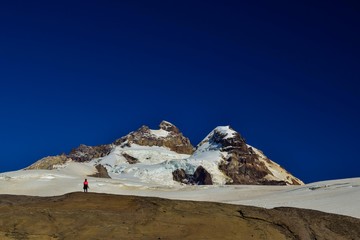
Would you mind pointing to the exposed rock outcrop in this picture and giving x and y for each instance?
(85, 153)
(179, 175)
(101, 172)
(49, 162)
(130, 159)
(82, 153)
(167, 136)
(200, 176)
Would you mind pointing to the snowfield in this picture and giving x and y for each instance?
(335, 196)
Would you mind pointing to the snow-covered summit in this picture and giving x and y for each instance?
(219, 138)
(226, 131)
(169, 127)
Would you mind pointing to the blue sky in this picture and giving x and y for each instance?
(285, 74)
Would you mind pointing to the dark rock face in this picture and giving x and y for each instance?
(102, 172)
(179, 175)
(174, 140)
(200, 177)
(130, 159)
(229, 143)
(86, 153)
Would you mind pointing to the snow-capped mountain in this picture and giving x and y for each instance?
(223, 157)
(241, 163)
(166, 157)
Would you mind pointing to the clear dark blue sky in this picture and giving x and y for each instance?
(285, 74)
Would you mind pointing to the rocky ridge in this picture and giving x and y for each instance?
(85, 153)
(200, 176)
(49, 162)
(167, 136)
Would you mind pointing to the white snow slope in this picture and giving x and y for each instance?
(336, 196)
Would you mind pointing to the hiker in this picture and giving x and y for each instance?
(86, 185)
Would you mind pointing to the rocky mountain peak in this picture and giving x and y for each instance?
(223, 138)
(144, 129)
(169, 127)
(242, 163)
(167, 136)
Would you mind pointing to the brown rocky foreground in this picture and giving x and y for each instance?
(103, 216)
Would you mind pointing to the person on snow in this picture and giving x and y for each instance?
(86, 185)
